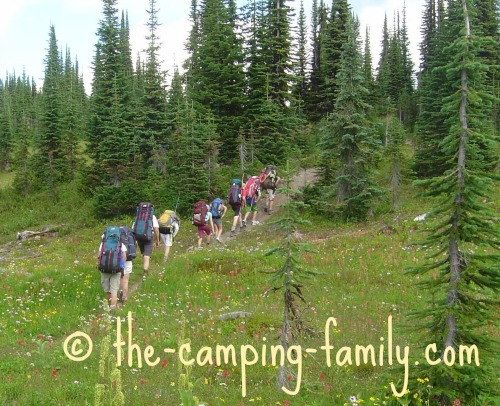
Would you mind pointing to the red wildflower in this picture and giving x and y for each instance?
(286, 403)
(321, 377)
(54, 372)
(142, 382)
(40, 336)
(225, 373)
(328, 388)
(457, 402)
(164, 363)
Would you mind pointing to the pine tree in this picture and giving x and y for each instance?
(466, 275)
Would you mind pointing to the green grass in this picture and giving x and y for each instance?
(50, 288)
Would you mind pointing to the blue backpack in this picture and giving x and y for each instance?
(216, 208)
(143, 223)
(128, 238)
(110, 258)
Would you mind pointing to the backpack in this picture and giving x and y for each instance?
(234, 196)
(269, 176)
(110, 258)
(166, 220)
(200, 213)
(128, 238)
(216, 207)
(252, 188)
(143, 223)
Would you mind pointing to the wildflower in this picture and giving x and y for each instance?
(457, 402)
(54, 372)
(164, 363)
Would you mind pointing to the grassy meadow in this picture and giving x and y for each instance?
(50, 289)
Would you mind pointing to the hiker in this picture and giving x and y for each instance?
(111, 259)
(202, 217)
(269, 180)
(234, 200)
(251, 196)
(218, 210)
(169, 225)
(128, 239)
(147, 234)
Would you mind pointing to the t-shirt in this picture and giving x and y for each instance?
(208, 216)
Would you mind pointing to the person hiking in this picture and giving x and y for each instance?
(111, 258)
(202, 218)
(234, 200)
(169, 224)
(269, 180)
(218, 210)
(147, 233)
(128, 239)
(251, 194)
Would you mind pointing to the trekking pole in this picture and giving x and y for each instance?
(176, 204)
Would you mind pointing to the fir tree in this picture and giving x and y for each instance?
(50, 157)
(347, 145)
(463, 238)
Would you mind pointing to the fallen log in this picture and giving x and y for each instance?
(47, 231)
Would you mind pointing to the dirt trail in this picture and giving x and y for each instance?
(304, 177)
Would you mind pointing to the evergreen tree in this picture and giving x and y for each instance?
(464, 239)
(332, 48)
(50, 158)
(215, 75)
(347, 145)
(23, 125)
(191, 150)
(299, 89)
(5, 128)
(153, 127)
(111, 178)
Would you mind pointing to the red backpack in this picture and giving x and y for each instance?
(251, 187)
(200, 213)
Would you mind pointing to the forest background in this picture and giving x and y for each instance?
(259, 86)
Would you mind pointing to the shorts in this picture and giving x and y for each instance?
(217, 220)
(205, 229)
(251, 205)
(271, 193)
(236, 208)
(110, 282)
(146, 247)
(128, 268)
(167, 239)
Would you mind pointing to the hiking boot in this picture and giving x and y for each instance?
(120, 296)
(269, 212)
(233, 231)
(144, 275)
(218, 239)
(255, 222)
(265, 209)
(244, 223)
